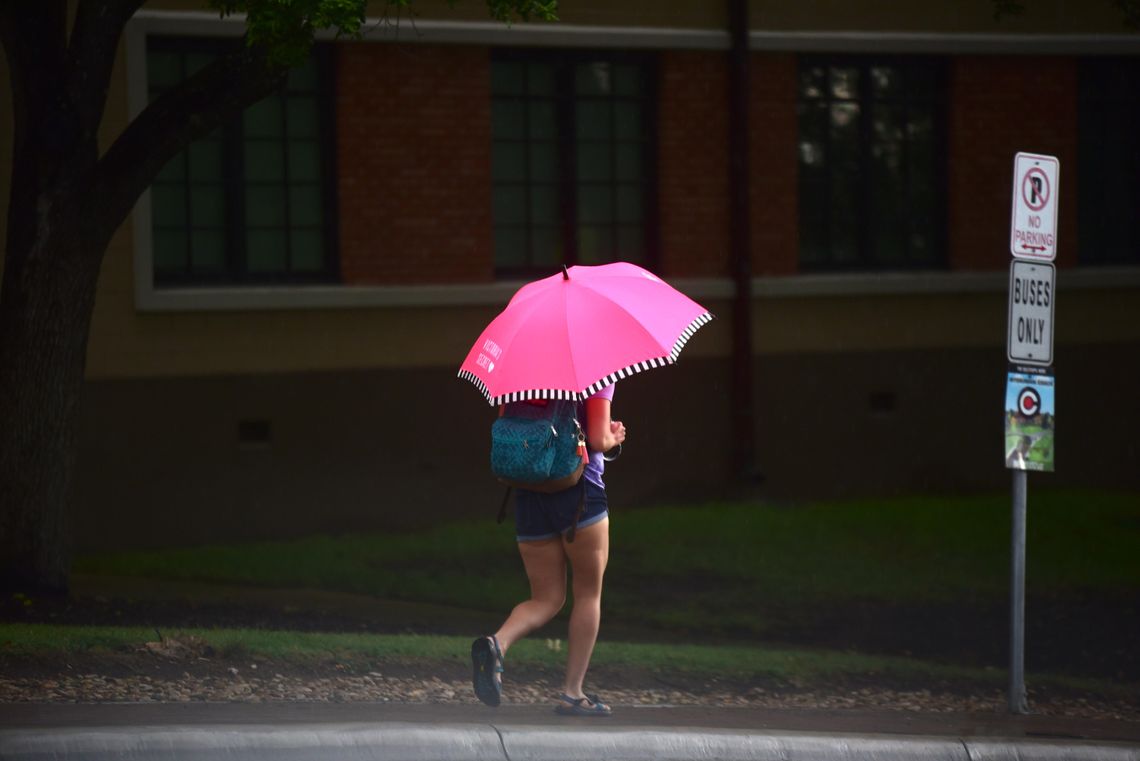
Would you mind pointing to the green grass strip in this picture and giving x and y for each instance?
(800, 667)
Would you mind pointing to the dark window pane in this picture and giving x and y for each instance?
(303, 78)
(627, 120)
(508, 162)
(168, 205)
(174, 171)
(869, 179)
(542, 121)
(206, 160)
(302, 117)
(631, 243)
(307, 250)
(510, 205)
(304, 161)
(583, 125)
(207, 206)
(628, 80)
(170, 250)
(208, 250)
(508, 78)
(886, 83)
(547, 250)
(265, 206)
(1108, 161)
(508, 119)
(510, 246)
(844, 83)
(266, 250)
(265, 118)
(813, 82)
(540, 79)
(306, 206)
(223, 210)
(593, 79)
(264, 161)
(593, 119)
(595, 204)
(629, 161)
(163, 69)
(594, 162)
(544, 162)
(544, 205)
(594, 244)
(630, 203)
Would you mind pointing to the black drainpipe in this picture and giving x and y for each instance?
(742, 414)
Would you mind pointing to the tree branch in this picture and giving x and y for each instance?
(190, 110)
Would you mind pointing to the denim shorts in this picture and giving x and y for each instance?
(545, 516)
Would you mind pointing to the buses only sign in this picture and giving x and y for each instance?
(1032, 288)
(1033, 221)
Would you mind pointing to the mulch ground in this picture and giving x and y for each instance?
(1093, 639)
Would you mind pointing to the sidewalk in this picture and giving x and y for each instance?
(283, 731)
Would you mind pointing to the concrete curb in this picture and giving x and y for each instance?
(485, 742)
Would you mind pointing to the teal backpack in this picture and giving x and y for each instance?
(540, 446)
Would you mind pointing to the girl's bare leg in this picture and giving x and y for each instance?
(588, 553)
(545, 564)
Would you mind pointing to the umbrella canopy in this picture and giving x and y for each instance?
(569, 335)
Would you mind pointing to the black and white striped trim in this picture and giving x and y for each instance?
(593, 388)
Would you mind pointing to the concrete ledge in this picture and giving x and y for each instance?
(711, 745)
(327, 742)
(478, 742)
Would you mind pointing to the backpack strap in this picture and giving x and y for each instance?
(503, 507)
(577, 513)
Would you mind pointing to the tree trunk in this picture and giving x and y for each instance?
(45, 313)
(66, 201)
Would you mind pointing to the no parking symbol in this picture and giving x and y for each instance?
(1033, 220)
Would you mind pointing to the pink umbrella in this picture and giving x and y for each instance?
(569, 335)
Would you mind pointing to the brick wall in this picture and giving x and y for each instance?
(693, 164)
(774, 170)
(999, 106)
(413, 163)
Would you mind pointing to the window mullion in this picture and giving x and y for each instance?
(864, 203)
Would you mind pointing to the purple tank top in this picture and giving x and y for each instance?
(597, 465)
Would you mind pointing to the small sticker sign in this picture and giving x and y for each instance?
(1030, 420)
(1033, 219)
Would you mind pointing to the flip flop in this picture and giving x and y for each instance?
(487, 665)
(591, 705)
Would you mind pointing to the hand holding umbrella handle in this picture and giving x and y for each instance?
(612, 454)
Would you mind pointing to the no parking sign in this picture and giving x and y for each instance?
(1033, 219)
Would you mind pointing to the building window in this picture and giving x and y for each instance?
(253, 202)
(1108, 161)
(871, 168)
(572, 149)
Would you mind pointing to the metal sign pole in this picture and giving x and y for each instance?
(1017, 698)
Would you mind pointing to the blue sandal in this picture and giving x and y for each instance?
(591, 705)
(487, 667)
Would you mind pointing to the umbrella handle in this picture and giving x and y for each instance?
(607, 455)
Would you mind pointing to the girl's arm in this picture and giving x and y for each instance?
(602, 433)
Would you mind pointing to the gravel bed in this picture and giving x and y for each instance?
(378, 687)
